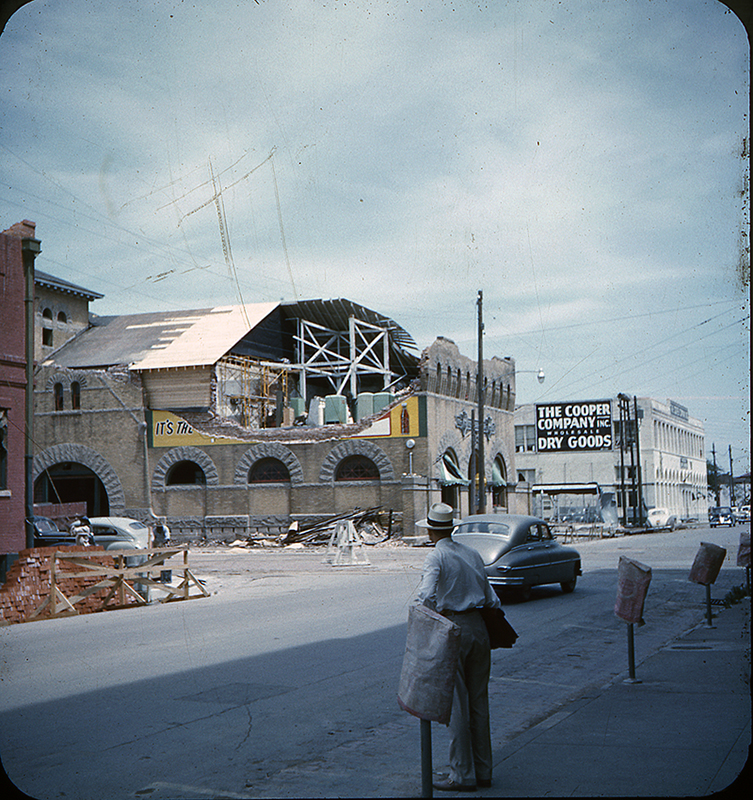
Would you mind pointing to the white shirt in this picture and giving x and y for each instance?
(454, 579)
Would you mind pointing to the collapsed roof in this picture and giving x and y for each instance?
(201, 337)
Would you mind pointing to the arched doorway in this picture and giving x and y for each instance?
(71, 482)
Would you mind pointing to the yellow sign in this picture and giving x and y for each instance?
(170, 430)
(402, 420)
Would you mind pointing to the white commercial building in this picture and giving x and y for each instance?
(580, 444)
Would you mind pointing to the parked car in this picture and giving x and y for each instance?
(519, 551)
(744, 514)
(46, 532)
(721, 515)
(112, 533)
(660, 518)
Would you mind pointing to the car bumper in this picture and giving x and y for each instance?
(506, 580)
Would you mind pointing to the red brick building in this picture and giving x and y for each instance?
(12, 390)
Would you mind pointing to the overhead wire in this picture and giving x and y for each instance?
(644, 362)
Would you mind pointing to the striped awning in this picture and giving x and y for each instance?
(449, 473)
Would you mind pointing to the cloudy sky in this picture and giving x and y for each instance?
(579, 162)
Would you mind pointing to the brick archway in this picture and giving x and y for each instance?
(80, 454)
(268, 450)
(178, 454)
(353, 447)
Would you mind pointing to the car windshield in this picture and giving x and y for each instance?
(44, 525)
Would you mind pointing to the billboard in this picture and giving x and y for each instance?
(574, 427)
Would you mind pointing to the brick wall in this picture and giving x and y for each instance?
(13, 384)
(28, 584)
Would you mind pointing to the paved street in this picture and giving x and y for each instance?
(283, 682)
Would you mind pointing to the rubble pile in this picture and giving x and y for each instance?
(370, 525)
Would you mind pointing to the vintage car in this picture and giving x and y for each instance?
(46, 532)
(519, 552)
(721, 515)
(112, 533)
(660, 518)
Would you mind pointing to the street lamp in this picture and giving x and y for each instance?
(539, 373)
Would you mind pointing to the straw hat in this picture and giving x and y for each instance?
(440, 517)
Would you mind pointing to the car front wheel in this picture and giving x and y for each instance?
(569, 586)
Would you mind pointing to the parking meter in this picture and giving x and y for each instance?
(708, 562)
(633, 579)
(705, 569)
(743, 550)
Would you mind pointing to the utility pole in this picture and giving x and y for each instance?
(623, 495)
(731, 480)
(481, 505)
(632, 433)
(641, 519)
(716, 474)
(473, 494)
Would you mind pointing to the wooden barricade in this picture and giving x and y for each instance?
(129, 578)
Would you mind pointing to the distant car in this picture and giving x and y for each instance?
(660, 518)
(721, 515)
(519, 551)
(744, 514)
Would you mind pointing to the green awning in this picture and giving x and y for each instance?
(497, 479)
(449, 474)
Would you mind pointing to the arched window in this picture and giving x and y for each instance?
(357, 468)
(185, 473)
(62, 317)
(47, 314)
(59, 402)
(75, 395)
(268, 470)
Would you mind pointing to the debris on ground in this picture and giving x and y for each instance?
(368, 523)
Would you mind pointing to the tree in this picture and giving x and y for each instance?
(716, 478)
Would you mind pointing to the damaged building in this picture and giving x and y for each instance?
(241, 420)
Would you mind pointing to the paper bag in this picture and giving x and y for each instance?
(427, 680)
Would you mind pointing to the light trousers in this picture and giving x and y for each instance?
(470, 736)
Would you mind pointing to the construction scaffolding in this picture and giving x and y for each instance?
(252, 391)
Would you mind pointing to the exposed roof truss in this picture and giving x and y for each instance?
(343, 356)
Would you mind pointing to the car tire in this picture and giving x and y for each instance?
(569, 586)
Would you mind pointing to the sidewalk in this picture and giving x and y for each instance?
(684, 730)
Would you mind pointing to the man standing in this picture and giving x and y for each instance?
(455, 585)
(82, 532)
(162, 539)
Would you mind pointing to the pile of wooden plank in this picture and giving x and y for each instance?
(369, 523)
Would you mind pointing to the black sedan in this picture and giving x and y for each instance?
(519, 551)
